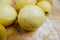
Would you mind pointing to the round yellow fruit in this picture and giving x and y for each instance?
(45, 5)
(31, 17)
(3, 33)
(21, 3)
(7, 15)
(8, 2)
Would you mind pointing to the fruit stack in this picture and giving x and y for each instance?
(30, 15)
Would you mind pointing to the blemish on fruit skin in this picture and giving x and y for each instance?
(46, 13)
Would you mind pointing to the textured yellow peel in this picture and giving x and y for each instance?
(3, 33)
(6, 2)
(31, 17)
(21, 3)
(45, 5)
(7, 15)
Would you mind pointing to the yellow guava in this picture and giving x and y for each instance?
(3, 33)
(7, 2)
(21, 3)
(7, 15)
(31, 17)
(45, 5)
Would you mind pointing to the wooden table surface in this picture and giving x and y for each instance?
(50, 30)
